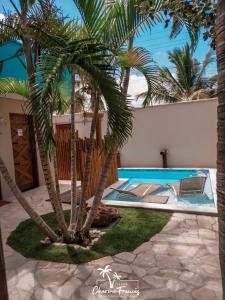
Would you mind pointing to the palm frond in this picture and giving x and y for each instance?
(188, 81)
(118, 107)
(182, 60)
(125, 20)
(209, 58)
(59, 98)
(41, 109)
(93, 15)
(179, 23)
(116, 22)
(169, 79)
(92, 59)
(9, 30)
(141, 60)
(14, 86)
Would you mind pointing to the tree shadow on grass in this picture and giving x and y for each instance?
(135, 227)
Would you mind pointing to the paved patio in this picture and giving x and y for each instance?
(181, 262)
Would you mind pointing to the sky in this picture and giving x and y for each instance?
(157, 41)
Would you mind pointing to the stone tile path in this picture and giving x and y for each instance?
(181, 263)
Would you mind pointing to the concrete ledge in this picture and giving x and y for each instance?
(163, 207)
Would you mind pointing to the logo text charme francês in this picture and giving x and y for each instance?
(114, 284)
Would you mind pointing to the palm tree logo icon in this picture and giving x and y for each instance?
(105, 272)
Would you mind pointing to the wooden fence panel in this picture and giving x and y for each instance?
(63, 146)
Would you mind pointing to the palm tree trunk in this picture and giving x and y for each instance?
(101, 186)
(82, 207)
(73, 215)
(54, 199)
(57, 187)
(126, 74)
(22, 200)
(100, 189)
(55, 166)
(56, 203)
(220, 49)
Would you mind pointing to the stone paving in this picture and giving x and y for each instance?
(181, 262)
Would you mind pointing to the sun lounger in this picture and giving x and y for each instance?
(155, 199)
(189, 186)
(139, 191)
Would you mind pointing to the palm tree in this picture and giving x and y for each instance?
(40, 115)
(59, 104)
(114, 146)
(128, 14)
(135, 21)
(92, 12)
(139, 59)
(150, 13)
(220, 49)
(188, 81)
(39, 95)
(18, 27)
(95, 99)
(119, 114)
(97, 54)
(21, 87)
(117, 13)
(71, 53)
(73, 214)
(134, 58)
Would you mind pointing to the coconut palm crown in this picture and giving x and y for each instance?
(188, 80)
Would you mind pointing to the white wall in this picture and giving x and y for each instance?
(187, 130)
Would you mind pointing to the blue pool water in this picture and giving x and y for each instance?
(164, 176)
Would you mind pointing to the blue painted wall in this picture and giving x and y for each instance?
(13, 67)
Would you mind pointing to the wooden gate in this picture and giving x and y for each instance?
(63, 144)
(24, 151)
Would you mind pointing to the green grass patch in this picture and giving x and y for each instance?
(135, 227)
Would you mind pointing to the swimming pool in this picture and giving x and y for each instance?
(164, 176)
